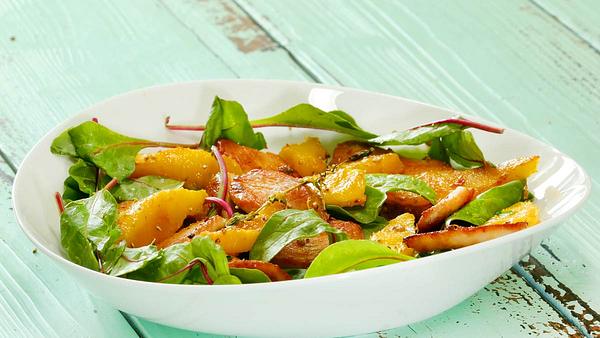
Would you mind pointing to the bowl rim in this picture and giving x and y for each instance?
(335, 278)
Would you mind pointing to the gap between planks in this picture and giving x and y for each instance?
(534, 277)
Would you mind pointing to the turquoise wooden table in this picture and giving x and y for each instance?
(529, 65)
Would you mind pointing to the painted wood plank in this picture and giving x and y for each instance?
(580, 16)
(247, 50)
(518, 66)
(37, 300)
(48, 98)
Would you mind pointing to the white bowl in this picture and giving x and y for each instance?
(351, 303)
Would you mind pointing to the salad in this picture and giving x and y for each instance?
(225, 211)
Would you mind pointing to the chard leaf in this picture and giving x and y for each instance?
(250, 276)
(112, 152)
(305, 115)
(139, 188)
(96, 216)
(378, 224)
(437, 151)
(487, 204)
(133, 259)
(287, 226)
(390, 183)
(84, 174)
(365, 214)
(71, 191)
(171, 266)
(94, 220)
(62, 145)
(216, 259)
(416, 136)
(172, 259)
(458, 149)
(352, 255)
(227, 279)
(229, 120)
(296, 273)
(79, 250)
(462, 150)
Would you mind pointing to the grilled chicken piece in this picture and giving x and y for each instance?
(300, 253)
(458, 237)
(434, 216)
(251, 190)
(186, 234)
(249, 158)
(273, 271)
(400, 202)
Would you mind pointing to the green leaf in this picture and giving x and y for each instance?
(305, 115)
(95, 220)
(287, 226)
(79, 250)
(112, 152)
(296, 273)
(172, 259)
(84, 173)
(205, 248)
(417, 135)
(133, 259)
(169, 267)
(71, 191)
(390, 183)
(378, 224)
(229, 120)
(365, 214)
(352, 255)
(227, 279)
(437, 151)
(250, 276)
(62, 145)
(139, 188)
(462, 151)
(487, 204)
(81, 182)
(448, 142)
(96, 216)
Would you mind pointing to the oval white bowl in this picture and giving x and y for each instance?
(351, 303)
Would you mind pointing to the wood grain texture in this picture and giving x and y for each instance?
(580, 16)
(508, 61)
(37, 299)
(67, 55)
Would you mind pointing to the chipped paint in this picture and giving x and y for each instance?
(239, 28)
(578, 308)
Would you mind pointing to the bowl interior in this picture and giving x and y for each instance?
(560, 185)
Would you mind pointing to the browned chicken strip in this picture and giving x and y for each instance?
(273, 271)
(251, 190)
(249, 158)
(300, 253)
(458, 237)
(434, 216)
